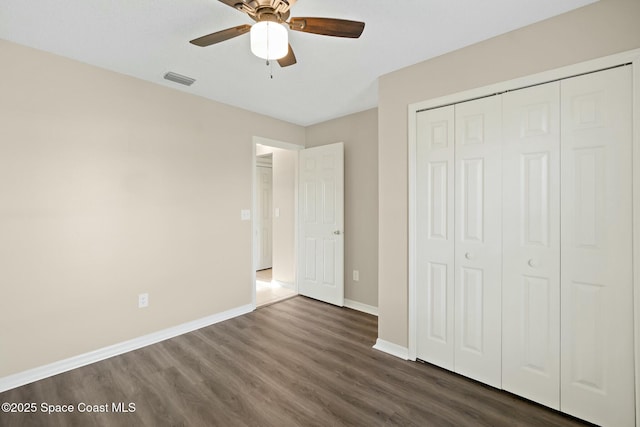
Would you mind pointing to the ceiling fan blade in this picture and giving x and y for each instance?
(328, 27)
(221, 36)
(289, 59)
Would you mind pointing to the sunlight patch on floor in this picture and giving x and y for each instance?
(270, 292)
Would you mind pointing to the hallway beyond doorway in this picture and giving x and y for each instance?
(267, 291)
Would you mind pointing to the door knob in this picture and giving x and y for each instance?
(468, 256)
(337, 232)
(532, 263)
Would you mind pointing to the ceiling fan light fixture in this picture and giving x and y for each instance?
(269, 40)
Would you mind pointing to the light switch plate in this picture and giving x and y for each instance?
(143, 300)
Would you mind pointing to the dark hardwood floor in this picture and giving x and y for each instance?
(296, 363)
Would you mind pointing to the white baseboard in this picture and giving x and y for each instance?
(355, 305)
(41, 372)
(392, 349)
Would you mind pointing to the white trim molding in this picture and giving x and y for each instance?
(392, 349)
(39, 373)
(636, 224)
(277, 144)
(355, 305)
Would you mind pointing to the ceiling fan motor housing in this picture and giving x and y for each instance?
(266, 10)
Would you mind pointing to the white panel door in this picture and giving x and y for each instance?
(531, 243)
(321, 213)
(478, 239)
(435, 240)
(264, 226)
(597, 380)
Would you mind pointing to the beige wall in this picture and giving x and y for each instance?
(109, 187)
(360, 135)
(604, 28)
(285, 170)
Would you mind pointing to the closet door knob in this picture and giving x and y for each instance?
(468, 256)
(532, 263)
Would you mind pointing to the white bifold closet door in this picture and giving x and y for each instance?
(478, 239)
(531, 244)
(435, 235)
(459, 261)
(524, 216)
(597, 379)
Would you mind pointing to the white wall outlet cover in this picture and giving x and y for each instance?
(277, 213)
(245, 214)
(356, 275)
(143, 300)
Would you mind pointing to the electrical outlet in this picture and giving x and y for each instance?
(245, 214)
(356, 275)
(143, 300)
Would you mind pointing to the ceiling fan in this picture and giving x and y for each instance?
(269, 37)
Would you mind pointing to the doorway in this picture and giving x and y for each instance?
(263, 213)
(275, 220)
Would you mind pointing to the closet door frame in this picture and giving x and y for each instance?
(630, 57)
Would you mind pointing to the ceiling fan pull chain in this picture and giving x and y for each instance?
(269, 62)
(270, 67)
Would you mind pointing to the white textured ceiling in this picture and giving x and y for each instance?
(333, 76)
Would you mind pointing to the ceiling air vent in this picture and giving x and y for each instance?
(177, 78)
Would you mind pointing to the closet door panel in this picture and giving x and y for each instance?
(478, 240)
(597, 382)
(435, 242)
(531, 244)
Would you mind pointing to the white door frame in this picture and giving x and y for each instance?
(628, 57)
(286, 146)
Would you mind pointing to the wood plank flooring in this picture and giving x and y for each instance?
(296, 363)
